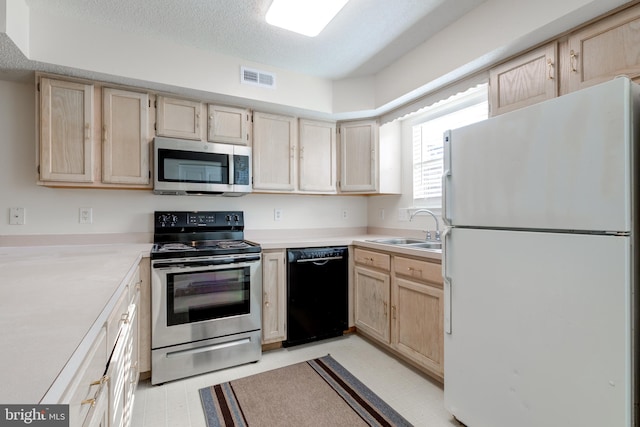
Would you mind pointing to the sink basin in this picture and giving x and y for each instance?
(398, 241)
(426, 245)
(411, 243)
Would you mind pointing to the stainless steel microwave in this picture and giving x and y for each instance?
(200, 168)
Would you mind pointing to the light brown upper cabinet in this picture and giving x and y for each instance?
(589, 55)
(178, 118)
(125, 146)
(274, 152)
(526, 80)
(359, 156)
(66, 131)
(230, 125)
(317, 156)
(93, 136)
(605, 49)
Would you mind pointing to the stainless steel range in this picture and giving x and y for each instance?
(206, 294)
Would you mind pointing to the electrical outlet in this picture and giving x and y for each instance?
(16, 216)
(403, 214)
(345, 214)
(277, 214)
(86, 215)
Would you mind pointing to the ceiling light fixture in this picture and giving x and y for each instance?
(307, 17)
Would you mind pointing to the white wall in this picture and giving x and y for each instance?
(55, 211)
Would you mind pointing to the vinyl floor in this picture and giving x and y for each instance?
(412, 394)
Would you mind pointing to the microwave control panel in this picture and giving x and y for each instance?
(241, 170)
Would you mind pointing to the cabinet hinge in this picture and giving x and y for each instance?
(149, 174)
(149, 103)
(38, 169)
(155, 104)
(38, 86)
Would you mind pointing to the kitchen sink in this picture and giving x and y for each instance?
(431, 244)
(411, 243)
(398, 241)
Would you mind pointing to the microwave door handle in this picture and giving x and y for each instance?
(231, 169)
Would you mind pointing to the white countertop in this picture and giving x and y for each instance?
(358, 240)
(50, 296)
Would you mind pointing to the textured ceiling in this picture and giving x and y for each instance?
(366, 36)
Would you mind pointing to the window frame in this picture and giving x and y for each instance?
(473, 96)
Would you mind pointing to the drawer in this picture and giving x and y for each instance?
(116, 318)
(418, 269)
(86, 383)
(372, 259)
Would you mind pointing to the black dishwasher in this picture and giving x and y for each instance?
(317, 294)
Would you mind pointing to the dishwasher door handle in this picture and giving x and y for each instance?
(329, 258)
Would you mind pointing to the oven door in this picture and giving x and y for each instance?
(196, 299)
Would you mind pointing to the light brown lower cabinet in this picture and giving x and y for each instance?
(101, 392)
(399, 304)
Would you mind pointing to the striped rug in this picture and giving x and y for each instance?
(318, 392)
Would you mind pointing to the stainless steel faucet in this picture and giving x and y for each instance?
(434, 217)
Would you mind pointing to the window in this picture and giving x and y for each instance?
(429, 126)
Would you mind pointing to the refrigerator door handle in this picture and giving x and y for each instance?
(446, 282)
(446, 177)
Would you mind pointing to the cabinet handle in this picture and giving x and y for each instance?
(393, 312)
(414, 270)
(90, 402)
(550, 68)
(197, 121)
(124, 318)
(574, 61)
(104, 133)
(102, 380)
(301, 152)
(266, 300)
(87, 131)
(385, 308)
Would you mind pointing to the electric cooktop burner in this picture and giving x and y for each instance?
(200, 233)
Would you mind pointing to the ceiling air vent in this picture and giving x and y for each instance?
(257, 78)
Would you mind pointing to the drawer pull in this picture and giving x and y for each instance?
(90, 402)
(102, 380)
(412, 270)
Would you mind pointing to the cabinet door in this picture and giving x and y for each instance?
(144, 316)
(417, 318)
(178, 118)
(274, 152)
(606, 49)
(526, 80)
(66, 131)
(125, 146)
(83, 391)
(317, 156)
(228, 124)
(98, 415)
(274, 303)
(358, 162)
(371, 302)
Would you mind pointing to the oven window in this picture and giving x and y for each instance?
(205, 295)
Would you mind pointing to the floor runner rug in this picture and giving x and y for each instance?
(315, 393)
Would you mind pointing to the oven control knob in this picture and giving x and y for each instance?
(236, 218)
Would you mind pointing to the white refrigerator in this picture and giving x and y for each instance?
(540, 263)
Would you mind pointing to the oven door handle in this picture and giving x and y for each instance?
(207, 263)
